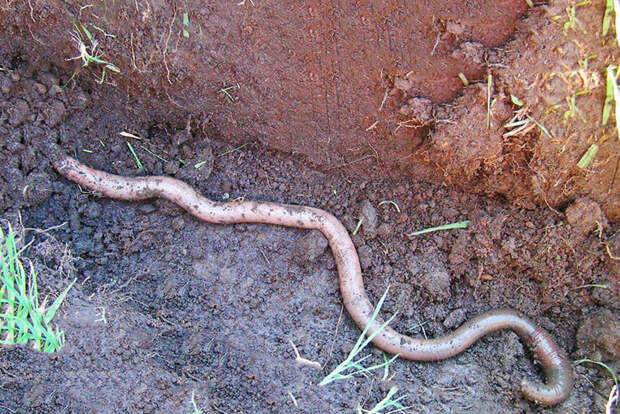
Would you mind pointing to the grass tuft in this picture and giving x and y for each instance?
(22, 319)
(354, 367)
(87, 46)
(387, 403)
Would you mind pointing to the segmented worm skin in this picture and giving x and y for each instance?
(555, 364)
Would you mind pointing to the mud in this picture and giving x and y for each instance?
(167, 306)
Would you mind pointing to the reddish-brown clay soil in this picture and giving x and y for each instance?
(353, 107)
(363, 86)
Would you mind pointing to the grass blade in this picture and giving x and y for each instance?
(451, 226)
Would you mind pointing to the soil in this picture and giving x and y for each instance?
(167, 307)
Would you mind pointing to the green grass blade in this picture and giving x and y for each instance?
(51, 311)
(588, 157)
(609, 94)
(600, 364)
(361, 343)
(451, 226)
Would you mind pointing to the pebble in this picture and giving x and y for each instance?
(147, 208)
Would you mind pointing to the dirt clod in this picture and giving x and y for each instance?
(18, 112)
(54, 113)
(370, 219)
(585, 215)
(455, 318)
(37, 189)
(309, 248)
(598, 336)
(431, 274)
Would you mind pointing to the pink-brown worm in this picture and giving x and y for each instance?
(554, 361)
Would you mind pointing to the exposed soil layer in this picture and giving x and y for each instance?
(166, 305)
(361, 86)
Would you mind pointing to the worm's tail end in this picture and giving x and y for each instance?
(558, 370)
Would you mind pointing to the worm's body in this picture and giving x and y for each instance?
(554, 361)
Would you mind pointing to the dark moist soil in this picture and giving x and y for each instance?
(167, 307)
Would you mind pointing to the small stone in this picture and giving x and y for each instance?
(309, 248)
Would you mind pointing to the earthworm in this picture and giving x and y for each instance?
(554, 361)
